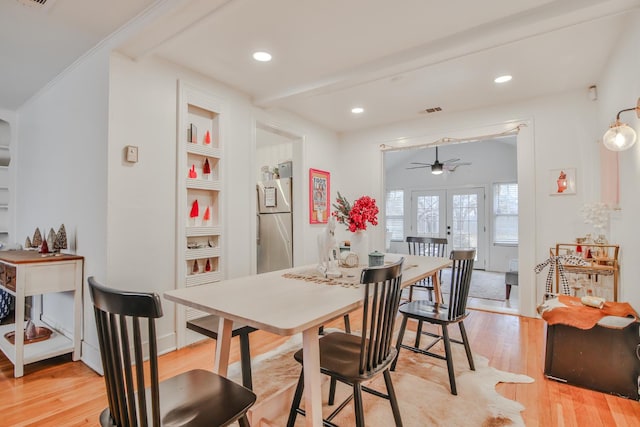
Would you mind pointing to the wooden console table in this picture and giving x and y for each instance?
(602, 262)
(29, 273)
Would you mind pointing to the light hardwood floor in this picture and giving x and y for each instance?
(64, 393)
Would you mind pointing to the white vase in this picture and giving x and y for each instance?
(360, 246)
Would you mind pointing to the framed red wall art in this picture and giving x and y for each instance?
(319, 191)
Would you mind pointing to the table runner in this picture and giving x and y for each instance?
(350, 276)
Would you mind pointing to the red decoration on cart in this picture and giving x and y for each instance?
(206, 168)
(192, 172)
(207, 214)
(207, 267)
(194, 210)
(207, 138)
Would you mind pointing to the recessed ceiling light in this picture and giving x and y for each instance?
(262, 56)
(357, 110)
(502, 79)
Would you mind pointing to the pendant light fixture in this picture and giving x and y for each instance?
(621, 136)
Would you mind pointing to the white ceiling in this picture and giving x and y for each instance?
(395, 59)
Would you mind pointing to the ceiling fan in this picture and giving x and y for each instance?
(438, 167)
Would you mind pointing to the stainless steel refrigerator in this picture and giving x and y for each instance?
(275, 225)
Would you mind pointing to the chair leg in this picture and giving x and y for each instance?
(244, 421)
(392, 398)
(403, 326)
(467, 347)
(357, 403)
(245, 361)
(347, 324)
(508, 291)
(418, 334)
(332, 391)
(449, 357)
(410, 293)
(297, 397)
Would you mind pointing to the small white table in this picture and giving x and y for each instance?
(28, 273)
(286, 306)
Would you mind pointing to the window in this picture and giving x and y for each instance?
(505, 213)
(395, 214)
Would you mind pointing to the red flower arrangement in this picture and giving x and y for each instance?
(356, 217)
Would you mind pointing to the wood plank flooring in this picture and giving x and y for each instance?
(60, 392)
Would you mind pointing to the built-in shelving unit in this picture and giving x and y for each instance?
(199, 166)
(5, 159)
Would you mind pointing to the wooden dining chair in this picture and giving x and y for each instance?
(208, 326)
(455, 311)
(353, 359)
(426, 246)
(194, 398)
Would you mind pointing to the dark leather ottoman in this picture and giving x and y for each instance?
(600, 358)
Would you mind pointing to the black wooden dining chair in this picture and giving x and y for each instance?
(353, 359)
(443, 315)
(208, 326)
(426, 246)
(193, 398)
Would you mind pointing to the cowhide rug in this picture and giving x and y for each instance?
(421, 384)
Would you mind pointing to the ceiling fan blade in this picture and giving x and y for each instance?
(451, 161)
(419, 167)
(420, 163)
(453, 167)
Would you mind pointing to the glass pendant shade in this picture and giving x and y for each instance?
(619, 137)
(436, 169)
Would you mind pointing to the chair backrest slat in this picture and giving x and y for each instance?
(461, 269)
(427, 246)
(114, 310)
(381, 300)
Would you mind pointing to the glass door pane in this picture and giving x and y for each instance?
(428, 213)
(466, 229)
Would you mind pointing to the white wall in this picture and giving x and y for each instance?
(492, 161)
(142, 209)
(561, 133)
(619, 89)
(62, 174)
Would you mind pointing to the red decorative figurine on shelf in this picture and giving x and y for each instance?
(206, 168)
(194, 209)
(192, 172)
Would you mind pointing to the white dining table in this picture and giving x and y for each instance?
(287, 306)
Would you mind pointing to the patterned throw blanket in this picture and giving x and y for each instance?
(556, 262)
(570, 311)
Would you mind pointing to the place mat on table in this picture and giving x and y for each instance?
(350, 276)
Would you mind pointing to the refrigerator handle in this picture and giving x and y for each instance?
(258, 229)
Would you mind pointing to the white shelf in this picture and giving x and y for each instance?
(201, 184)
(200, 253)
(202, 278)
(202, 112)
(203, 150)
(203, 231)
(56, 345)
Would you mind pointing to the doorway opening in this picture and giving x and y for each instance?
(459, 204)
(278, 198)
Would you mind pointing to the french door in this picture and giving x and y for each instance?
(457, 214)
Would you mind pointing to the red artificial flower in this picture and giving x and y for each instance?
(356, 217)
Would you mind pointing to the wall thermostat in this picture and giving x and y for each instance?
(132, 153)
